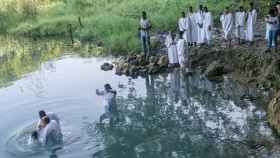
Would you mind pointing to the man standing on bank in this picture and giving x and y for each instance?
(145, 28)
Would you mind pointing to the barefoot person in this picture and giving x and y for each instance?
(145, 28)
(193, 27)
(227, 25)
(172, 50)
(184, 27)
(251, 22)
(240, 18)
(273, 22)
(207, 26)
(109, 99)
(199, 21)
(181, 50)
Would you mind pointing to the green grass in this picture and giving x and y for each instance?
(113, 23)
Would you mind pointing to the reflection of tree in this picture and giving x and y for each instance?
(22, 56)
(201, 123)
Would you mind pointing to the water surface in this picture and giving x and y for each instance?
(164, 116)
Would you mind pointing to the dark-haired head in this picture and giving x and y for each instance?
(241, 8)
(107, 87)
(144, 15)
(42, 113)
(183, 14)
(200, 7)
(191, 9)
(272, 12)
(205, 9)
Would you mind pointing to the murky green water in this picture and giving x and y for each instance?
(164, 116)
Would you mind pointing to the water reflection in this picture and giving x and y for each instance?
(20, 56)
(187, 116)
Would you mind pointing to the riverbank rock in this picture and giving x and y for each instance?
(215, 69)
(274, 112)
(107, 67)
(137, 65)
(163, 61)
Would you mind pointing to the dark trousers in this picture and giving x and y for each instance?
(146, 46)
(272, 40)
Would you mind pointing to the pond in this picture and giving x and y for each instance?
(173, 115)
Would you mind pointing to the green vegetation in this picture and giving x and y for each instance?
(113, 23)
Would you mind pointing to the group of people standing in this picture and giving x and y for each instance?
(196, 29)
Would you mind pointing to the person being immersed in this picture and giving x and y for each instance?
(52, 134)
(109, 99)
(227, 25)
(145, 28)
(49, 134)
(51, 115)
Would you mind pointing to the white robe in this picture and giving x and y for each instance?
(184, 26)
(181, 51)
(200, 32)
(251, 21)
(172, 50)
(240, 18)
(207, 23)
(193, 27)
(52, 130)
(227, 25)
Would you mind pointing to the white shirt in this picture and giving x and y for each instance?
(273, 23)
(51, 129)
(145, 24)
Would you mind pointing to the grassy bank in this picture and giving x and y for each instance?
(113, 23)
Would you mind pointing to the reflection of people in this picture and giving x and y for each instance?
(110, 100)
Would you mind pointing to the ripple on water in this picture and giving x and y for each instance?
(17, 144)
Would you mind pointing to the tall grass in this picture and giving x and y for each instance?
(113, 23)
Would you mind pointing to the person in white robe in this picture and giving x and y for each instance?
(227, 25)
(251, 22)
(109, 100)
(207, 26)
(181, 50)
(193, 27)
(199, 21)
(184, 27)
(240, 18)
(51, 132)
(172, 49)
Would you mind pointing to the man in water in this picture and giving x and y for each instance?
(110, 100)
(51, 134)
